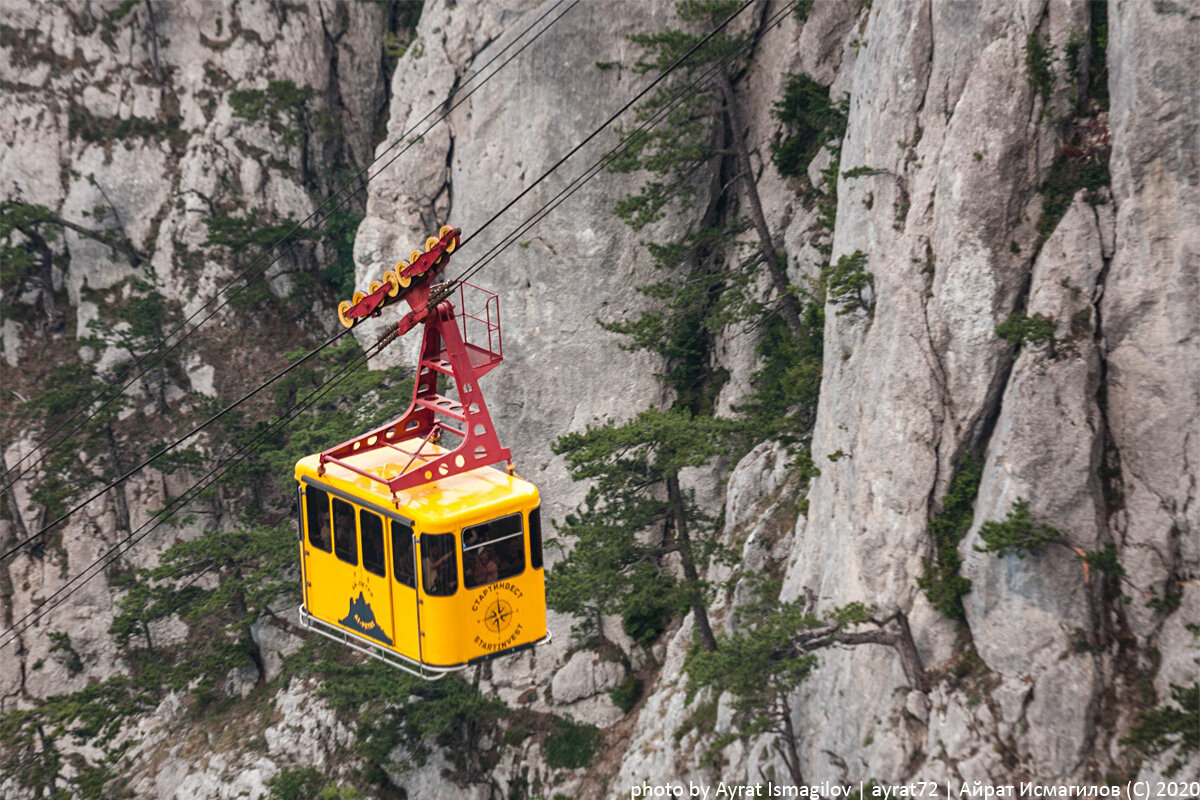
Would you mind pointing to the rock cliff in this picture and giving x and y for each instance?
(967, 128)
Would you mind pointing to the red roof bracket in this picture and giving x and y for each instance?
(445, 350)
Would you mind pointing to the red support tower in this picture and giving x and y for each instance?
(445, 350)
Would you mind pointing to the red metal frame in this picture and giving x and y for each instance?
(421, 273)
(445, 350)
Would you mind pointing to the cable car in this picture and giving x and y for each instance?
(416, 552)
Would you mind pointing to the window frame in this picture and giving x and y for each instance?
(536, 513)
(411, 573)
(337, 551)
(308, 517)
(453, 551)
(521, 532)
(362, 544)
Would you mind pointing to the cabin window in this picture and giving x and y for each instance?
(374, 560)
(316, 511)
(535, 538)
(493, 551)
(403, 564)
(439, 572)
(345, 537)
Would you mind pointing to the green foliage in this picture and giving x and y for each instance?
(82, 124)
(786, 388)
(1105, 560)
(648, 611)
(1098, 55)
(255, 235)
(94, 715)
(279, 96)
(572, 745)
(710, 282)
(678, 147)
(296, 783)
(396, 709)
(1039, 60)
(108, 21)
(847, 282)
(1018, 534)
(1168, 727)
(1068, 175)
(1021, 329)
(810, 121)
(626, 693)
(768, 656)
(70, 657)
(941, 581)
(68, 387)
(364, 398)
(254, 568)
(237, 233)
(340, 230)
(307, 783)
(1169, 600)
(694, 304)
(755, 663)
(284, 106)
(622, 531)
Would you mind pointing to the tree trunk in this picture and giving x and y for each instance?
(900, 641)
(153, 30)
(691, 576)
(10, 494)
(910, 657)
(788, 305)
(791, 750)
(45, 276)
(119, 498)
(20, 534)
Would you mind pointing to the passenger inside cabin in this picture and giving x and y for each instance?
(486, 570)
(319, 528)
(438, 568)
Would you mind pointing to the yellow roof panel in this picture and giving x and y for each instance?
(439, 503)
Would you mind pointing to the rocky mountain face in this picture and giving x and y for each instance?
(1022, 325)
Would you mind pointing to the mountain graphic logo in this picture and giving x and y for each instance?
(362, 619)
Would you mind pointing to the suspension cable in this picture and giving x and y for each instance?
(49, 525)
(391, 334)
(362, 183)
(637, 97)
(65, 591)
(680, 96)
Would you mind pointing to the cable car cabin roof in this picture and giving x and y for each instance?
(436, 506)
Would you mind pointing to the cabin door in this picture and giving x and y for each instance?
(323, 572)
(404, 591)
(373, 612)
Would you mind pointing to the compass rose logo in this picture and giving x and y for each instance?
(498, 616)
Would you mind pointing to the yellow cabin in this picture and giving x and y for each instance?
(447, 575)
(419, 554)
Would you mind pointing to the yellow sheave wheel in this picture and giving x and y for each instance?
(431, 242)
(357, 297)
(413, 256)
(453, 242)
(373, 287)
(343, 307)
(393, 282)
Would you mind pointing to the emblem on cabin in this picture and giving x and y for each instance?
(498, 616)
(497, 608)
(362, 620)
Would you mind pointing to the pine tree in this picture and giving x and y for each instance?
(703, 134)
(774, 648)
(637, 514)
